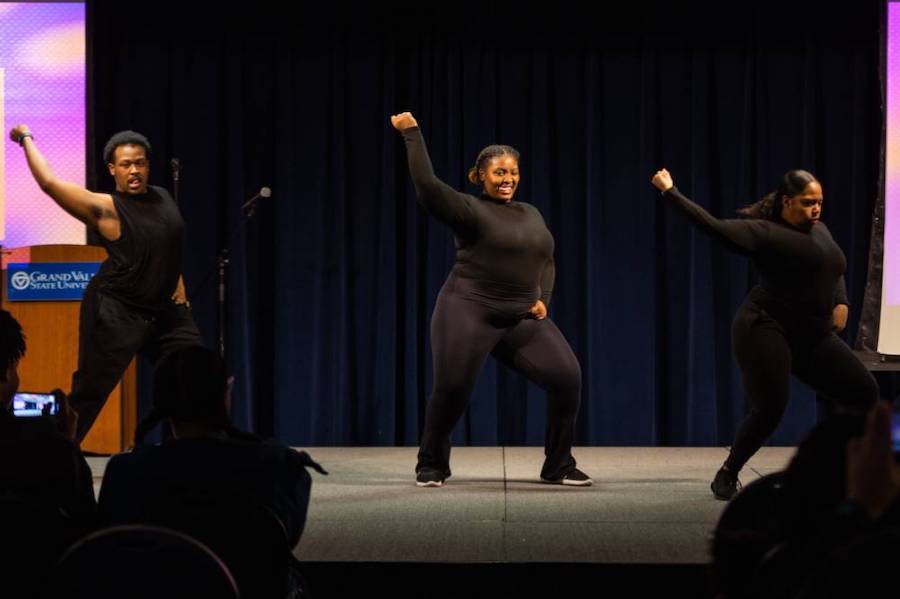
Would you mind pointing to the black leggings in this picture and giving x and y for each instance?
(768, 353)
(474, 318)
(110, 335)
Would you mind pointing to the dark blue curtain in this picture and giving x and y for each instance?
(332, 283)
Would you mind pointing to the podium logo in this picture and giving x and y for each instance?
(53, 281)
(20, 280)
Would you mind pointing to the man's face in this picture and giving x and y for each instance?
(130, 168)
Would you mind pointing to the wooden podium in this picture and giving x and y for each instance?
(51, 356)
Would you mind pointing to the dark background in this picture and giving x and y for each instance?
(332, 284)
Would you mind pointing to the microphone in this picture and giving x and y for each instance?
(175, 166)
(250, 205)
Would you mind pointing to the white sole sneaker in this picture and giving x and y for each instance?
(569, 482)
(431, 483)
(577, 483)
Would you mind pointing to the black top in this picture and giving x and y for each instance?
(500, 241)
(40, 465)
(801, 271)
(141, 485)
(144, 263)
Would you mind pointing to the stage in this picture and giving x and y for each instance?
(646, 520)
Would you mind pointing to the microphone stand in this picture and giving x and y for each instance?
(175, 165)
(223, 259)
(222, 262)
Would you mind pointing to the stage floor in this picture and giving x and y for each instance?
(648, 505)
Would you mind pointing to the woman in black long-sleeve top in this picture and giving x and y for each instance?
(494, 302)
(787, 323)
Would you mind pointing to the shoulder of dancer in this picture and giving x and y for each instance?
(162, 192)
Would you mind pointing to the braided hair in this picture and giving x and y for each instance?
(488, 154)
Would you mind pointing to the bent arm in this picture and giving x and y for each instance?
(548, 279)
(87, 206)
(439, 199)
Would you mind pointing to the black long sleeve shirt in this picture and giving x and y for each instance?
(801, 272)
(498, 241)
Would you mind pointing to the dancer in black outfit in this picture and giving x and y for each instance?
(787, 323)
(136, 302)
(493, 302)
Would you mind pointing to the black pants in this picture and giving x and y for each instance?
(111, 334)
(768, 351)
(473, 319)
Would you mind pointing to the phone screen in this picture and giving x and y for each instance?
(26, 405)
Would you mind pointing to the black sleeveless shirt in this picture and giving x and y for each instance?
(144, 263)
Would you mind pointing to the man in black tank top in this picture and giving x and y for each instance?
(137, 301)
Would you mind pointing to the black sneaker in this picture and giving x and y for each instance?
(725, 485)
(429, 477)
(575, 478)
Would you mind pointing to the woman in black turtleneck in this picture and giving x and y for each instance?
(787, 323)
(493, 302)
